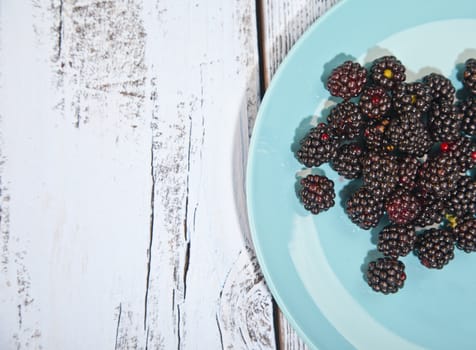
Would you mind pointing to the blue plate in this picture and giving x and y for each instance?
(314, 265)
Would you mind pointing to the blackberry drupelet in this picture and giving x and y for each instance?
(469, 75)
(441, 88)
(348, 162)
(387, 72)
(407, 172)
(462, 200)
(374, 136)
(317, 147)
(396, 240)
(465, 234)
(468, 108)
(375, 102)
(408, 134)
(463, 150)
(364, 208)
(380, 173)
(347, 80)
(386, 275)
(409, 97)
(432, 210)
(346, 120)
(435, 248)
(439, 175)
(444, 121)
(402, 207)
(317, 193)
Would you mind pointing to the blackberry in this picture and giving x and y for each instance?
(387, 72)
(463, 150)
(364, 208)
(402, 207)
(462, 200)
(346, 120)
(317, 193)
(386, 275)
(435, 248)
(439, 175)
(374, 136)
(409, 97)
(441, 88)
(348, 162)
(407, 171)
(380, 173)
(347, 80)
(317, 147)
(469, 75)
(432, 210)
(408, 134)
(444, 121)
(396, 240)
(468, 108)
(375, 102)
(465, 234)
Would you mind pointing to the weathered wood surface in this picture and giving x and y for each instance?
(124, 129)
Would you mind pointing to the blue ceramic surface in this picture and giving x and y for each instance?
(314, 265)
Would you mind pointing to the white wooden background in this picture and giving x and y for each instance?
(124, 130)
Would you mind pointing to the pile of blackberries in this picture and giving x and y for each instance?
(413, 146)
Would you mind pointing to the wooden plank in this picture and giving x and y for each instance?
(282, 23)
(124, 138)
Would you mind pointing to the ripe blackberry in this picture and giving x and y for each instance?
(347, 80)
(444, 121)
(387, 72)
(462, 200)
(469, 75)
(463, 150)
(439, 175)
(386, 275)
(435, 248)
(317, 147)
(409, 97)
(374, 136)
(396, 240)
(468, 108)
(364, 208)
(375, 102)
(380, 173)
(442, 88)
(402, 207)
(432, 210)
(317, 193)
(348, 161)
(465, 234)
(407, 171)
(409, 135)
(346, 120)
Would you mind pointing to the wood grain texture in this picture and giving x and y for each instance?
(282, 24)
(124, 139)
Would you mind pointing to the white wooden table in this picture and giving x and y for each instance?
(124, 130)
